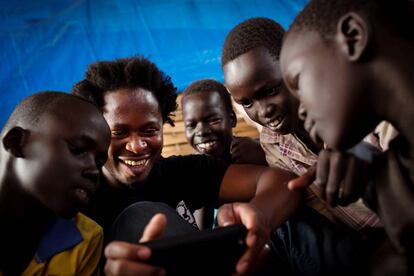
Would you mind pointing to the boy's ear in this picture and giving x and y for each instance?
(14, 141)
(233, 119)
(353, 35)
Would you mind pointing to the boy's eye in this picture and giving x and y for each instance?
(214, 121)
(270, 92)
(150, 131)
(247, 104)
(190, 125)
(274, 90)
(118, 133)
(77, 149)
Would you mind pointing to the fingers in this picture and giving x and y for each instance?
(303, 181)
(125, 250)
(341, 177)
(322, 171)
(337, 167)
(258, 262)
(257, 235)
(249, 261)
(225, 215)
(125, 258)
(125, 268)
(355, 182)
(154, 228)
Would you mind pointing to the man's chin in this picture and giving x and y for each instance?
(136, 180)
(132, 184)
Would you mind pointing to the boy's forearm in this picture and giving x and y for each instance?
(273, 198)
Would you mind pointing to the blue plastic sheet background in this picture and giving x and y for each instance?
(47, 44)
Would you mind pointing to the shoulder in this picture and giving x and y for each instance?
(87, 227)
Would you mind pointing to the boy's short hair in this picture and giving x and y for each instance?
(30, 109)
(250, 34)
(322, 15)
(209, 85)
(129, 73)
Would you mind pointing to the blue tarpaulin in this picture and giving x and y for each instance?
(47, 44)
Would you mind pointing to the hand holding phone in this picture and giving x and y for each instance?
(208, 252)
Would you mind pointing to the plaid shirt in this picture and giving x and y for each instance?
(289, 153)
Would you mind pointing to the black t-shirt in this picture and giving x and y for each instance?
(196, 179)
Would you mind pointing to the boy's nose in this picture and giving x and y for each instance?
(90, 169)
(202, 129)
(266, 110)
(302, 113)
(136, 144)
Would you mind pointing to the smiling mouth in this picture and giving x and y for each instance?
(206, 146)
(276, 124)
(134, 163)
(135, 167)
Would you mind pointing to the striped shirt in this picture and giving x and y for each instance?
(289, 153)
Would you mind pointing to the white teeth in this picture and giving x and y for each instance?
(206, 146)
(135, 163)
(275, 123)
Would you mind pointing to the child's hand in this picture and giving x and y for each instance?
(125, 258)
(342, 176)
(257, 236)
(245, 150)
(304, 180)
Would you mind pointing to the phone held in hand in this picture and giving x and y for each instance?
(208, 252)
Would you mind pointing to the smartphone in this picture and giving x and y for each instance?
(208, 252)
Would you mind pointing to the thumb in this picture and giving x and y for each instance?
(304, 180)
(154, 228)
(225, 215)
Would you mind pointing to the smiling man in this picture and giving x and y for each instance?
(131, 161)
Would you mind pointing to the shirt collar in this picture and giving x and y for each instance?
(61, 235)
(289, 145)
